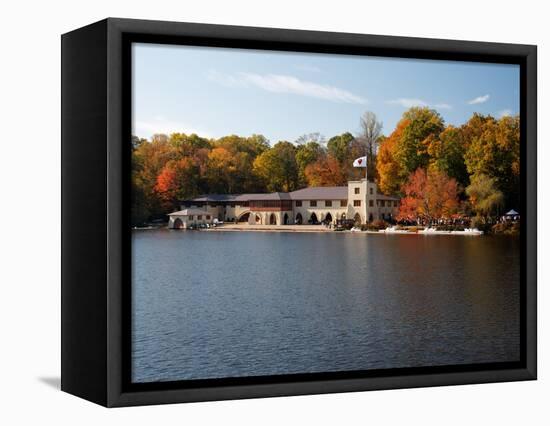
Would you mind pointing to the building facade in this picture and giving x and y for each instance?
(359, 201)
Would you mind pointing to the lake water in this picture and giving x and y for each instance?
(230, 304)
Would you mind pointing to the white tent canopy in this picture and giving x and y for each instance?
(512, 213)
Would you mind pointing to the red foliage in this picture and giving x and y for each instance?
(430, 195)
(325, 172)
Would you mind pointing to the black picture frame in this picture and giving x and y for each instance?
(96, 126)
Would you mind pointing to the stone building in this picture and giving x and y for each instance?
(359, 201)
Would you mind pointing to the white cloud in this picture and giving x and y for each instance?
(413, 102)
(147, 128)
(277, 83)
(479, 100)
(505, 113)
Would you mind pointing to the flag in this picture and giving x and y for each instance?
(360, 162)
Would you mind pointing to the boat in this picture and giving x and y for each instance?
(468, 231)
(433, 231)
(394, 230)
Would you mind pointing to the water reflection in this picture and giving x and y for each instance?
(212, 304)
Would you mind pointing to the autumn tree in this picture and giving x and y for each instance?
(230, 164)
(407, 147)
(429, 195)
(390, 179)
(148, 159)
(177, 180)
(277, 167)
(224, 171)
(253, 145)
(326, 171)
(496, 154)
(475, 126)
(307, 154)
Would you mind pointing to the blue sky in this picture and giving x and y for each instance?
(215, 92)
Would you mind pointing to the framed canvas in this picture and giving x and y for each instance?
(256, 212)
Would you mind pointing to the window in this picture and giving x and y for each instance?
(276, 204)
(357, 190)
(395, 203)
(370, 190)
(313, 203)
(298, 204)
(328, 203)
(356, 203)
(343, 203)
(383, 203)
(371, 203)
(191, 217)
(199, 217)
(207, 217)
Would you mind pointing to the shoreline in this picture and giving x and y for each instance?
(318, 229)
(314, 229)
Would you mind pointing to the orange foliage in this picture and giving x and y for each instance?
(428, 195)
(325, 172)
(176, 181)
(389, 178)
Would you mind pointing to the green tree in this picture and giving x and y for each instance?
(277, 167)
(447, 154)
(340, 147)
(424, 125)
(187, 145)
(485, 197)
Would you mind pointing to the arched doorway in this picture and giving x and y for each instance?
(370, 218)
(178, 224)
(258, 219)
(357, 219)
(328, 218)
(313, 219)
(285, 219)
(272, 219)
(299, 219)
(343, 216)
(244, 217)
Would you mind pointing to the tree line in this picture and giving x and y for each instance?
(443, 170)
(438, 169)
(169, 168)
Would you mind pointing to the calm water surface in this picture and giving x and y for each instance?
(227, 304)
